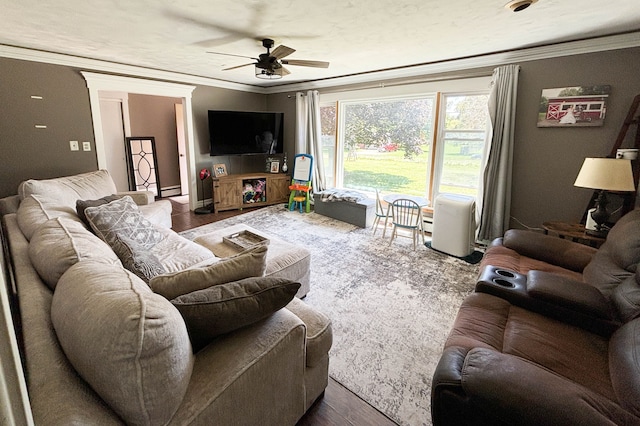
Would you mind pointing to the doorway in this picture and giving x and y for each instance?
(101, 85)
(115, 128)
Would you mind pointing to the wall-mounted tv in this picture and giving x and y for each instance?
(242, 132)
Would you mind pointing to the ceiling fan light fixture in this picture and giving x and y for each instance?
(269, 74)
(519, 5)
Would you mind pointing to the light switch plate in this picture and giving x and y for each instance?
(74, 145)
(86, 146)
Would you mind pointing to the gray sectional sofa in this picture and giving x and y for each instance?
(100, 346)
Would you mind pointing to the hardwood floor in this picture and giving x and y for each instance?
(339, 406)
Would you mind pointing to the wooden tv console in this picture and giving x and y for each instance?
(228, 190)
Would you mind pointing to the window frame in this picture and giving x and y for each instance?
(440, 136)
(438, 89)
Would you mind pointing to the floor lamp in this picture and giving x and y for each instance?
(604, 174)
(204, 175)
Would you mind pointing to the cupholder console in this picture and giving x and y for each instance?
(503, 283)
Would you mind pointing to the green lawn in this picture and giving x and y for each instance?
(391, 172)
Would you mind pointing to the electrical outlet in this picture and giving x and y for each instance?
(86, 146)
(74, 145)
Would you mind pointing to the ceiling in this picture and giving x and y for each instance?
(355, 36)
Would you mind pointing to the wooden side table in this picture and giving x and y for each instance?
(573, 231)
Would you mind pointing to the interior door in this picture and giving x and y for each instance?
(182, 150)
(113, 134)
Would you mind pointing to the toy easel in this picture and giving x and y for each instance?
(301, 182)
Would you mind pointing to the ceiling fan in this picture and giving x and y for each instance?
(270, 65)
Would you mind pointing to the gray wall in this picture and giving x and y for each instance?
(156, 116)
(547, 160)
(205, 98)
(286, 102)
(27, 152)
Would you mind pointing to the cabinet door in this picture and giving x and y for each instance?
(226, 194)
(278, 189)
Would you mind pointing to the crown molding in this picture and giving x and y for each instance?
(597, 44)
(25, 54)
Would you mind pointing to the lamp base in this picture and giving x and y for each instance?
(204, 210)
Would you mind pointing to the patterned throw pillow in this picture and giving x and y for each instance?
(136, 259)
(122, 217)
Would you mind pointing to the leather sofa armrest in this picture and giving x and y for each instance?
(449, 369)
(141, 198)
(446, 388)
(550, 249)
(517, 391)
(565, 292)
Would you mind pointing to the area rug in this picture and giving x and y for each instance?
(391, 307)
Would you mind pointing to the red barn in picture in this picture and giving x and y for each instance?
(577, 110)
(585, 108)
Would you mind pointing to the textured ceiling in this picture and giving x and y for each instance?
(355, 36)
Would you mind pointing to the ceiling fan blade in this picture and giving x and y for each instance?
(218, 41)
(285, 71)
(231, 54)
(305, 63)
(282, 51)
(239, 33)
(238, 66)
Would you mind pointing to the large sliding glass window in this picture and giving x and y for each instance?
(386, 144)
(419, 145)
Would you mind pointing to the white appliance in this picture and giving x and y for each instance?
(454, 224)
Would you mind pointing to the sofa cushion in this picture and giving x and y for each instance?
(60, 243)
(68, 189)
(220, 309)
(623, 241)
(35, 210)
(121, 217)
(136, 258)
(128, 343)
(81, 205)
(49, 198)
(626, 297)
(177, 253)
(284, 259)
(624, 364)
(618, 257)
(250, 263)
(486, 321)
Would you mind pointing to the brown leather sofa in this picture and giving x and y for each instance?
(551, 336)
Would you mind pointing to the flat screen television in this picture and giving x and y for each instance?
(243, 132)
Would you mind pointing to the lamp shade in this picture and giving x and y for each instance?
(608, 174)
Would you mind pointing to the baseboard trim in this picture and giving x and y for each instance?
(171, 191)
